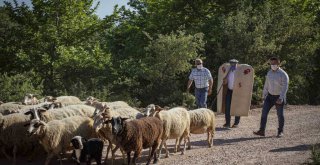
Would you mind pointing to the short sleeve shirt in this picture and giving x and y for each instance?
(200, 77)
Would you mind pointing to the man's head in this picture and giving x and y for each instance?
(198, 62)
(233, 63)
(274, 62)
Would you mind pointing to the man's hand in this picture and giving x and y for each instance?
(225, 81)
(209, 92)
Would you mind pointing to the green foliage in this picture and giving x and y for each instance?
(143, 54)
(15, 87)
(188, 100)
(167, 58)
(315, 156)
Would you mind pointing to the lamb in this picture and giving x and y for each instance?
(55, 136)
(12, 135)
(106, 114)
(30, 99)
(136, 135)
(61, 113)
(202, 120)
(86, 150)
(176, 125)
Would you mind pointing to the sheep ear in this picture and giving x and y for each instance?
(158, 108)
(41, 110)
(83, 139)
(123, 119)
(26, 125)
(107, 122)
(28, 113)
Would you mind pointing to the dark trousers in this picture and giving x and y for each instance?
(228, 107)
(269, 102)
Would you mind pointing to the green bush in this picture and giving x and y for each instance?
(14, 87)
(315, 156)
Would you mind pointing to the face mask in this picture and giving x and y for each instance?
(274, 67)
(233, 67)
(199, 66)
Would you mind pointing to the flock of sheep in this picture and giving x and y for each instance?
(57, 125)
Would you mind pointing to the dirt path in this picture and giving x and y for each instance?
(240, 146)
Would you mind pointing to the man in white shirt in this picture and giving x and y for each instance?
(274, 93)
(229, 80)
(203, 83)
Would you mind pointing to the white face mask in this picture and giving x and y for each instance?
(274, 67)
(199, 66)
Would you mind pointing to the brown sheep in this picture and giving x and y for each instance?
(136, 135)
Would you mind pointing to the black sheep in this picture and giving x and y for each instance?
(86, 150)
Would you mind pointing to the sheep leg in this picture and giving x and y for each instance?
(185, 145)
(189, 144)
(14, 154)
(49, 157)
(129, 157)
(153, 153)
(212, 136)
(136, 155)
(176, 145)
(167, 151)
(108, 149)
(160, 148)
(113, 154)
(3, 149)
(123, 156)
(60, 158)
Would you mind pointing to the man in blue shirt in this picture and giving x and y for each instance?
(274, 93)
(203, 83)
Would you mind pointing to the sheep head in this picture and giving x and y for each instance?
(99, 107)
(30, 99)
(117, 124)
(35, 112)
(152, 109)
(34, 126)
(101, 117)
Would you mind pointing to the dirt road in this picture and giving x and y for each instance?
(240, 146)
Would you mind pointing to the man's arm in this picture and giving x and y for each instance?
(189, 85)
(210, 86)
(284, 84)
(265, 88)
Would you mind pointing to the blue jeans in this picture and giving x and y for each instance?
(228, 107)
(269, 102)
(201, 97)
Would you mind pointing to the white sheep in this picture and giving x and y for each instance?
(13, 135)
(61, 113)
(176, 125)
(10, 107)
(105, 130)
(64, 100)
(55, 136)
(202, 120)
(112, 105)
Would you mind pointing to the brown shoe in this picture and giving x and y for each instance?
(226, 125)
(235, 126)
(260, 133)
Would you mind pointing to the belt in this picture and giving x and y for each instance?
(273, 95)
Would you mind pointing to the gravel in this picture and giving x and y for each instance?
(240, 146)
